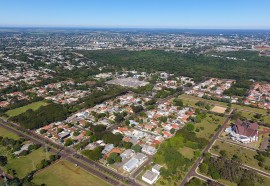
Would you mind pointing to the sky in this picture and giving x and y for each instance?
(188, 14)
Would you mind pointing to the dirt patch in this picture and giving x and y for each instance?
(219, 109)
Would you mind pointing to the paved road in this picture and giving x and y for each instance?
(192, 171)
(71, 155)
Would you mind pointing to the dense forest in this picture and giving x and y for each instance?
(196, 66)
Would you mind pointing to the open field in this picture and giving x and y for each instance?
(208, 126)
(7, 133)
(24, 164)
(191, 100)
(249, 115)
(249, 109)
(66, 173)
(218, 109)
(245, 155)
(33, 106)
(187, 152)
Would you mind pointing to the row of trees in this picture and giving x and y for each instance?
(42, 116)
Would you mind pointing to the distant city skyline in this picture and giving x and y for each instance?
(179, 14)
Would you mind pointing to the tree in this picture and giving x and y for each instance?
(215, 175)
(204, 168)
(68, 142)
(223, 153)
(95, 154)
(178, 102)
(136, 148)
(114, 157)
(3, 160)
(190, 127)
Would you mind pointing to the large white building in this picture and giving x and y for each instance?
(150, 177)
(244, 132)
(134, 162)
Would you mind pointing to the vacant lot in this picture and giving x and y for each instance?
(245, 155)
(7, 133)
(249, 109)
(33, 106)
(25, 164)
(191, 100)
(66, 173)
(207, 127)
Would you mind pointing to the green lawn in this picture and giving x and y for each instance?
(24, 164)
(65, 173)
(208, 126)
(6, 133)
(33, 106)
(245, 155)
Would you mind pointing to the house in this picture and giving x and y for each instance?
(244, 131)
(127, 154)
(107, 148)
(114, 150)
(150, 177)
(134, 162)
(156, 168)
(63, 135)
(131, 165)
(147, 149)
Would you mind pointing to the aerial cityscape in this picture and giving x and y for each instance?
(139, 93)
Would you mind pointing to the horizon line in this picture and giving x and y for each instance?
(126, 27)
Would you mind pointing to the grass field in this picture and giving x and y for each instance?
(249, 109)
(7, 133)
(187, 152)
(33, 106)
(208, 126)
(191, 100)
(249, 115)
(24, 164)
(245, 155)
(65, 173)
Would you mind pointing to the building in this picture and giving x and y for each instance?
(127, 154)
(134, 162)
(107, 148)
(131, 165)
(147, 149)
(150, 177)
(244, 132)
(156, 168)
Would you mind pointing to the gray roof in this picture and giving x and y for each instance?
(131, 164)
(150, 175)
(157, 167)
